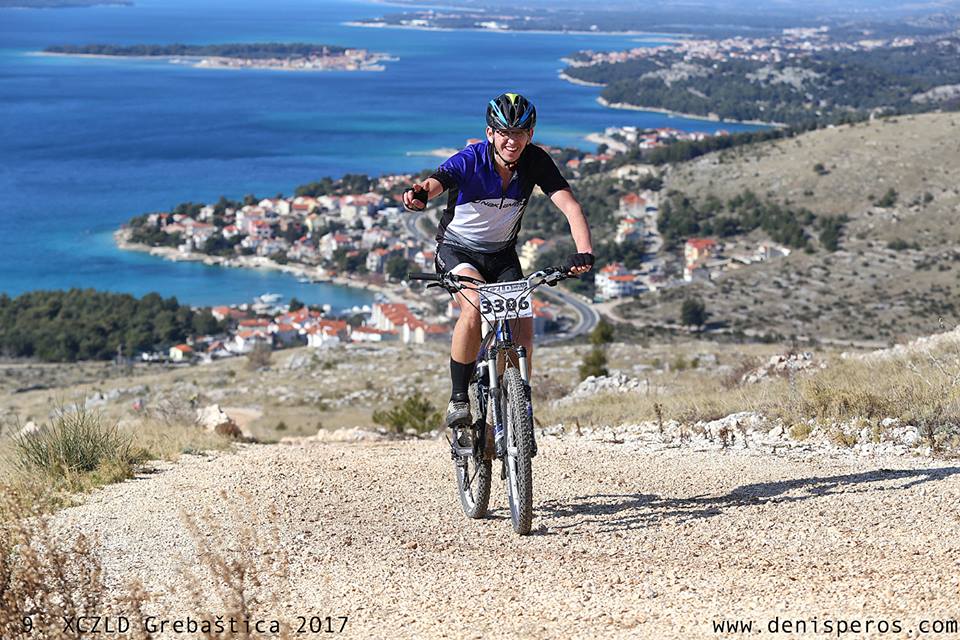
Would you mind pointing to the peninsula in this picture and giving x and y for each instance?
(270, 55)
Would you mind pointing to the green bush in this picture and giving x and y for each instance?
(889, 198)
(259, 356)
(594, 363)
(602, 333)
(693, 312)
(76, 447)
(414, 412)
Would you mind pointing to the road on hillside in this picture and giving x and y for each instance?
(586, 316)
(628, 541)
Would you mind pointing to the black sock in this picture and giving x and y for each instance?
(460, 375)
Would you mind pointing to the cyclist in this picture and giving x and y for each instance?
(489, 184)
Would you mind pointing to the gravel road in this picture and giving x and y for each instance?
(629, 541)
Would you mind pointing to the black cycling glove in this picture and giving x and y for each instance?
(578, 260)
(421, 195)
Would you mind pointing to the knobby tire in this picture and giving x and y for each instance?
(475, 498)
(520, 435)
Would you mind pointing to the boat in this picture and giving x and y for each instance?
(269, 298)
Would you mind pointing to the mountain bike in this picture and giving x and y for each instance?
(500, 397)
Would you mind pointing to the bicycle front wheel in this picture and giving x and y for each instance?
(474, 474)
(519, 425)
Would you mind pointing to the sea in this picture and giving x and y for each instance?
(85, 144)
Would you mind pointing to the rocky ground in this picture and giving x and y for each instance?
(635, 537)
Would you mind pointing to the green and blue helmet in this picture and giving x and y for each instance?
(511, 111)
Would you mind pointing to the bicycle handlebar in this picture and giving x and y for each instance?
(549, 276)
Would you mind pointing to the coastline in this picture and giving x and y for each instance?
(677, 114)
(385, 25)
(582, 83)
(218, 62)
(394, 294)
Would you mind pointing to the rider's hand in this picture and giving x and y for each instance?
(415, 198)
(579, 263)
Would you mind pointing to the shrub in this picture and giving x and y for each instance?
(259, 356)
(888, 199)
(602, 333)
(77, 449)
(594, 363)
(693, 312)
(415, 412)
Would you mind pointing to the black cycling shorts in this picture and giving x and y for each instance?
(502, 266)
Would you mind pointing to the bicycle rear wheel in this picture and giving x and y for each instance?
(474, 474)
(519, 450)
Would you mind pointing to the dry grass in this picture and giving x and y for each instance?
(47, 578)
(230, 577)
(922, 390)
(42, 580)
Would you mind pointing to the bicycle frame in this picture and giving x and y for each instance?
(497, 340)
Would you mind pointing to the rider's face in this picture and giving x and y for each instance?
(510, 143)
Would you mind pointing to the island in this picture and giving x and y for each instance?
(59, 4)
(297, 56)
(800, 77)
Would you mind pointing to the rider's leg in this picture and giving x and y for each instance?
(463, 349)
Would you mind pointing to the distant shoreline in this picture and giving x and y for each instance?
(215, 62)
(582, 83)
(385, 25)
(122, 240)
(679, 114)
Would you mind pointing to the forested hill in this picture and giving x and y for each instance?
(90, 325)
(824, 86)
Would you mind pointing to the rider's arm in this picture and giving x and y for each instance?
(579, 229)
(432, 186)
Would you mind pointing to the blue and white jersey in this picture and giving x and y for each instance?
(480, 215)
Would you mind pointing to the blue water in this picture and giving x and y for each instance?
(87, 143)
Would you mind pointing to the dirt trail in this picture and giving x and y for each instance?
(629, 542)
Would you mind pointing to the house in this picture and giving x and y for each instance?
(632, 205)
(245, 340)
(615, 281)
(353, 207)
(629, 230)
(323, 333)
(377, 260)
(421, 332)
(259, 228)
(303, 205)
(278, 205)
(227, 313)
(698, 250)
(371, 334)
(284, 333)
(696, 272)
(391, 316)
(529, 252)
(181, 353)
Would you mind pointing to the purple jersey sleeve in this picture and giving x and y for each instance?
(454, 171)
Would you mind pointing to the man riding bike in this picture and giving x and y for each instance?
(489, 184)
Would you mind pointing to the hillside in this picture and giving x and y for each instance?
(893, 275)
(700, 482)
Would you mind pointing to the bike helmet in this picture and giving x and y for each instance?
(511, 111)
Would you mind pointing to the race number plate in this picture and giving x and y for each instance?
(505, 300)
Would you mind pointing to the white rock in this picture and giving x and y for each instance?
(213, 418)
